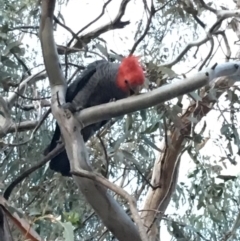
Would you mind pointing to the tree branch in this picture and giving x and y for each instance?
(18, 221)
(167, 92)
(20, 127)
(92, 22)
(131, 200)
(152, 12)
(31, 79)
(221, 15)
(26, 173)
(116, 23)
(111, 213)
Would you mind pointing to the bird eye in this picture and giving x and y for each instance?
(126, 81)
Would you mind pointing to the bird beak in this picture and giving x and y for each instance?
(135, 90)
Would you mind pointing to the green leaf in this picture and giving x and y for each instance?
(167, 72)
(176, 110)
(195, 96)
(18, 50)
(129, 122)
(150, 143)
(68, 233)
(7, 62)
(10, 46)
(151, 128)
(143, 152)
(143, 114)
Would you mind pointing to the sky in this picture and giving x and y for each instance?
(79, 13)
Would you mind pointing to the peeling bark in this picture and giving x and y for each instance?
(166, 166)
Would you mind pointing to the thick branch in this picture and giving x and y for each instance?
(113, 216)
(130, 199)
(5, 232)
(19, 222)
(113, 109)
(164, 165)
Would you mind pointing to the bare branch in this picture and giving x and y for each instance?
(131, 200)
(221, 15)
(5, 232)
(232, 232)
(30, 80)
(152, 12)
(32, 169)
(209, 54)
(43, 103)
(23, 126)
(116, 23)
(21, 223)
(204, 5)
(92, 22)
(114, 109)
(171, 184)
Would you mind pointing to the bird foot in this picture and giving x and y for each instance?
(112, 100)
(71, 107)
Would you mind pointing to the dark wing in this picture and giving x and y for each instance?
(60, 163)
(81, 81)
(72, 91)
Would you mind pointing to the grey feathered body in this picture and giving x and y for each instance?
(96, 85)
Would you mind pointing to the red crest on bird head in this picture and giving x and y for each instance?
(130, 74)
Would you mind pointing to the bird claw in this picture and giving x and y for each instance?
(71, 107)
(112, 100)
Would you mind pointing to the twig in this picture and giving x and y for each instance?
(146, 6)
(204, 5)
(187, 48)
(32, 134)
(232, 232)
(21, 63)
(22, 126)
(209, 54)
(92, 22)
(30, 98)
(26, 173)
(75, 36)
(152, 12)
(23, 27)
(116, 23)
(228, 54)
(105, 153)
(31, 107)
(40, 75)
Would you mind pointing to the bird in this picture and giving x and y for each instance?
(101, 82)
